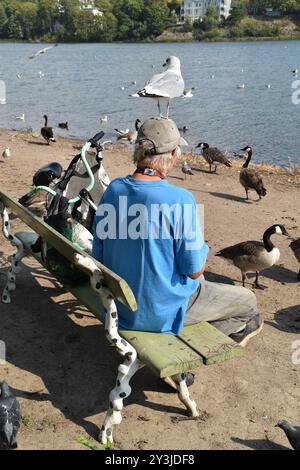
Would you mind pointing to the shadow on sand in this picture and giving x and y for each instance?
(259, 444)
(231, 197)
(52, 339)
(287, 319)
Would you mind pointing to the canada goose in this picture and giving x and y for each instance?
(250, 179)
(64, 125)
(47, 132)
(6, 153)
(255, 256)
(213, 156)
(186, 169)
(295, 246)
(183, 129)
(129, 135)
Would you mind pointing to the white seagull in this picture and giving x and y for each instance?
(104, 119)
(21, 117)
(6, 153)
(42, 51)
(188, 94)
(166, 85)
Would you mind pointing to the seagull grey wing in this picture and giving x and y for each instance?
(167, 85)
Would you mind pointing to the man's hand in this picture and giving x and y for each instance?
(197, 275)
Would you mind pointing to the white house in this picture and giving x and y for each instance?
(196, 9)
(88, 5)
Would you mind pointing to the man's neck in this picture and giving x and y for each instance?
(148, 174)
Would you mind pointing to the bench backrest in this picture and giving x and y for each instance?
(114, 283)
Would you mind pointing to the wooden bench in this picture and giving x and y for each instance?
(168, 356)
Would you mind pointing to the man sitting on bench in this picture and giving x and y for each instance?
(148, 232)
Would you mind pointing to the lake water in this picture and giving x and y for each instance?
(82, 82)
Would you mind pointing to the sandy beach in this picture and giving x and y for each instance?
(62, 368)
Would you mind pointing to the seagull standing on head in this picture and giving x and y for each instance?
(166, 85)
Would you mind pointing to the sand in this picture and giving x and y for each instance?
(62, 368)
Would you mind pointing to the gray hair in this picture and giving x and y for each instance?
(145, 157)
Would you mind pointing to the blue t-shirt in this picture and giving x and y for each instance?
(148, 232)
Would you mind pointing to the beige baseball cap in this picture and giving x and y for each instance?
(162, 133)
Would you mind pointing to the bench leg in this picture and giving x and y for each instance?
(126, 370)
(184, 394)
(15, 259)
(121, 391)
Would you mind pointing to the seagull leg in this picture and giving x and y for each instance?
(256, 283)
(247, 195)
(168, 109)
(159, 110)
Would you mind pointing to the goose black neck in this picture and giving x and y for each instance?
(46, 120)
(267, 239)
(137, 125)
(246, 164)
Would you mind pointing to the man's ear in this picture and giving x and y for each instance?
(175, 153)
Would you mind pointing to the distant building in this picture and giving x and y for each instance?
(196, 9)
(272, 12)
(88, 5)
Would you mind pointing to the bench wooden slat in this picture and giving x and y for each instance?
(164, 354)
(211, 343)
(116, 284)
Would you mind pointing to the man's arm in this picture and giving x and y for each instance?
(197, 275)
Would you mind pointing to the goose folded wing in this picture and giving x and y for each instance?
(252, 178)
(165, 85)
(249, 248)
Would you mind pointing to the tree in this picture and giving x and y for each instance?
(155, 16)
(47, 13)
(3, 21)
(211, 20)
(238, 12)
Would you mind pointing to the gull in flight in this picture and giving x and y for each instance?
(42, 51)
(166, 85)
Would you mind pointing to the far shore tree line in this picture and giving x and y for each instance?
(136, 20)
